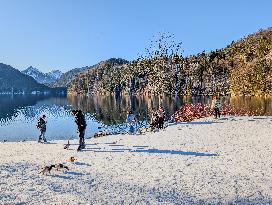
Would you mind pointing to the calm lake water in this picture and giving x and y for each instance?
(19, 114)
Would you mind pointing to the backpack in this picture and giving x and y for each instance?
(41, 123)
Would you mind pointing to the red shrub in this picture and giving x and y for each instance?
(189, 112)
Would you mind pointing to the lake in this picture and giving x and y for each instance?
(19, 113)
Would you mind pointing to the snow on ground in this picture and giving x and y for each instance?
(227, 161)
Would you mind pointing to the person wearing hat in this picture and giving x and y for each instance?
(42, 127)
(81, 127)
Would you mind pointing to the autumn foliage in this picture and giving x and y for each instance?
(189, 112)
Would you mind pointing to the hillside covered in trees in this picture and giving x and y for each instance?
(242, 68)
(66, 78)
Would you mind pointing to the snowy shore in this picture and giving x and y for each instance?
(226, 161)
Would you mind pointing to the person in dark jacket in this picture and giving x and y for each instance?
(42, 127)
(131, 121)
(81, 127)
(161, 115)
(154, 118)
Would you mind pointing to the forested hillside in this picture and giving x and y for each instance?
(242, 68)
(68, 77)
(101, 77)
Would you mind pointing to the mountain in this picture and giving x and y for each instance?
(96, 75)
(12, 80)
(54, 74)
(43, 78)
(68, 77)
(242, 68)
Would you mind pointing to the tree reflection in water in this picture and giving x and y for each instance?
(111, 111)
(19, 113)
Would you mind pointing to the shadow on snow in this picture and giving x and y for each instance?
(158, 151)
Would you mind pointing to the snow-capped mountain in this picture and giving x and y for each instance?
(40, 77)
(55, 74)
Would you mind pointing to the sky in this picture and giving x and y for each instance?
(67, 34)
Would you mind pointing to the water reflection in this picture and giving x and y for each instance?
(111, 110)
(19, 114)
(253, 103)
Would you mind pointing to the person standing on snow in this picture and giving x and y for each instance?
(216, 105)
(161, 115)
(81, 127)
(42, 127)
(131, 121)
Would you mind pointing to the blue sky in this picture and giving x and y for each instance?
(65, 34)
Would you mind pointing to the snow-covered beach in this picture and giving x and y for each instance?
(226, 161)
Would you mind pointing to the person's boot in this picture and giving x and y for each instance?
(39, 140)
(82, 143)
(79, 148)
